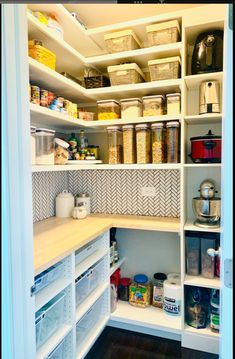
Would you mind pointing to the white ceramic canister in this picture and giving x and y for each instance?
(85, 199)
(64, 204)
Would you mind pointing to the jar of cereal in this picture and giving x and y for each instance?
(172, 141)
(143, 143)
(140, 291)
(114, 144)
(128, 133)
(158, 142)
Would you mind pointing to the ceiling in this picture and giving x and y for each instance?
(94, 15)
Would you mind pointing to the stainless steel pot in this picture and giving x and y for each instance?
(207, 211)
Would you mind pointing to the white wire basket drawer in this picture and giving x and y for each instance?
(89, 280)
(58, 352)
(99, 242)
(49, 319)
(48, 276)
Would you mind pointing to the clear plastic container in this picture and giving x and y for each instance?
(125, 74)
(108, 110)
(143, 147)
(207, 262)
(173, 103)
(115, 144)
(172, 142)
(193, 250)
(153, 105)
(119, 41)
(33, 144)
(163, 33)
(44, 146)
(158, 279)
(140, 291)
(165, 69)
(48, 276)
(158, 142)
(131, 108)
(129, 148)
(61, 151)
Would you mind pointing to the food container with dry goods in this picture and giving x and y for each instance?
(143, 148)
(173, 103)
(64, 204)
(129, 148)
(131, 108)
(172, 141)
(119, 41)
(153, 105)
(193, 251)
(165, 69)
(108, 109)
(158, 279)
(140, 291)
(86, 116)
(41, 54)
(44, 146)
(158, 142)
(95, 150)
(125, 74)
(163, 33)
(114, 144)
(61, 151)
(207, 261)
(33, 144)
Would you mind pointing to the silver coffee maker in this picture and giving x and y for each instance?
(209, 97)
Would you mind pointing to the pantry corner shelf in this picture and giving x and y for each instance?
(117, 265)
(190, 226)
(209, 118)
(202, 165)
(200, 281)
(202, 331)
(193, 81)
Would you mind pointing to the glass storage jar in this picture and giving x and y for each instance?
(108, 110)
(143, 143)
(173, 103)
(172, 141)
(153, 105)
(140, 291)
(158, 142)
(128, 134)
(158, 279)
(131, 108)
(115, 144)
(44, 146)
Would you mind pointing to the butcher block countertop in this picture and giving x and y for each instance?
(56, 238)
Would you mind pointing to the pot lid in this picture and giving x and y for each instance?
(208, 136)
(65, 194)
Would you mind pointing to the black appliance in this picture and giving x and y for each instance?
(208, 52)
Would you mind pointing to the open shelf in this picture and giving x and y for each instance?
(190, 226)
(200, 281)
(202, 165)
(209, 118)
(89, 261)
(117, 265)
(203, 331)
(193, 81)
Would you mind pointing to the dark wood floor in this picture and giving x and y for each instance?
(121, 344)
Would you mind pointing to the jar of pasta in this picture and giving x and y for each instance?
(172, 141)
(128, 135)
(158, 142)
(114, 144)
(140, 291)
(143, 149)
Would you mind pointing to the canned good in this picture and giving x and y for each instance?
(35, 95)
(44, 98)
(50, 97)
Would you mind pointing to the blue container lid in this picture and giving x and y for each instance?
(140, 278)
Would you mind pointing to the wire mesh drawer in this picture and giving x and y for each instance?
(48, 276)
(49, 319)
(58, 352)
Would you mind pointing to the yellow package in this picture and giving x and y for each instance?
(42, 17)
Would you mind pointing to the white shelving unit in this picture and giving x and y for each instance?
(117, 265)
(200, 281)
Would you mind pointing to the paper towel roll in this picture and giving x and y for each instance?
(174, 277)
(172, 298)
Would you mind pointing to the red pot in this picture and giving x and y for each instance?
(206, 148)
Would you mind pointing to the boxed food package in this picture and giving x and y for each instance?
(165, 69)
(41, 54)
(125, 74)
(163, 33)
(119, 41)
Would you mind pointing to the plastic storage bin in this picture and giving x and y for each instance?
(125, 74)
(207, 262)
(121, 41)
(108, 110)
(163, 33)
(173, 103)
(129, 152)
(193, 250)
(153, 105)
(131, 108)
(114, 144)
(143, 148)
(44, 146)
(48, 276)
(172, 142)
(58, 352)
(158, 142)
(165, 69)
(88, 281)
(84, 252)
(49, 319)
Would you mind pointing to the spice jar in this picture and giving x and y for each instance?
(123, 289)
(140, 291)
(158, 142)
(172, 141)
(158, 279)
(115, 144)
(143, 143)
(128, 133)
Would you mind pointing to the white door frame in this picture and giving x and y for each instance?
(18, 330)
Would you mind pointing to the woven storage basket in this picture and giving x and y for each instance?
(41, 54)
(96, 81)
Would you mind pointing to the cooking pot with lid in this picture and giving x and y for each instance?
(206, 149)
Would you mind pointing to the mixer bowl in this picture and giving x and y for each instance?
(207, 211)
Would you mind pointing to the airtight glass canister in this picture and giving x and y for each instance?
(172, 141)
(128, 134)
(114, 144)
(143, 149)
(158, 142)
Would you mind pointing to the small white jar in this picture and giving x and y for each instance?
(64, 204)
(84, 198)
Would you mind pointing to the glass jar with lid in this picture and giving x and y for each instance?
(115, 144)
(158, 279)
(44, 146)
(131, 108)
(172, 141)
(158, 142)
(108, 109)
(153, 105)
(140, 291)
(128, 134)
(143, 148)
